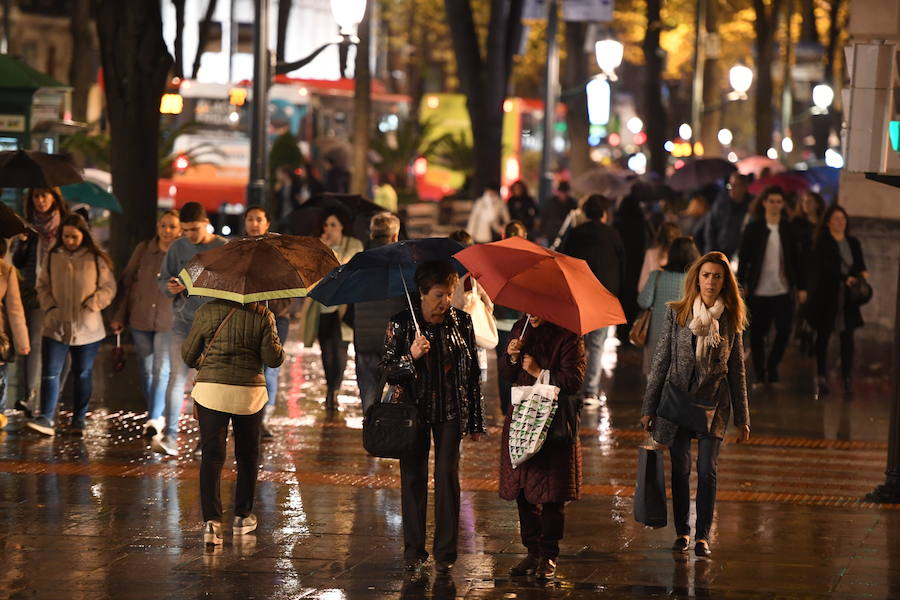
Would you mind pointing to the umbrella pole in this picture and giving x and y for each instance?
(412, 311)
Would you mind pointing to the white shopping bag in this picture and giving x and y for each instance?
(533, 410)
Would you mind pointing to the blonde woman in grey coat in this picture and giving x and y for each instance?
(700, 352)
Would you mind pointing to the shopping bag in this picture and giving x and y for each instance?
(483, 322)
(650, 491)
(532, 413)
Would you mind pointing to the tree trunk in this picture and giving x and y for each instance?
(654, 110)
(711, 118)
(135, 66)
(362, 110)
(484, 82)
(835, 27)
(203, 36)
(82, 72)
(284, 14)
(765, 52)
(576, 76)
(178, 69)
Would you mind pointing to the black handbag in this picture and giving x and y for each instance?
(650, 491)
(392, 429)
(565, 423)
(682, 408)
(859, 292)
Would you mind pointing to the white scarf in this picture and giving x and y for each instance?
(705, 325)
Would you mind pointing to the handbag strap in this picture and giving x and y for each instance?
(213, 339)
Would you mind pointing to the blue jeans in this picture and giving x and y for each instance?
(53, 357)
(152, 348)
(707, 468)
(282, 327)
(593, 347)
(178, 373)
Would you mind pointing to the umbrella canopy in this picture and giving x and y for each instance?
(523, 276)
(789, 182)
(26, 169)
(352, 210)
(601, 181)
(755, 165)
(699, 173)
(824, 180)
(266, 267)
(91, 194)
(380, 273)
(11, 223)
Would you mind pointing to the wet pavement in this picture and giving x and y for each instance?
(104, 517)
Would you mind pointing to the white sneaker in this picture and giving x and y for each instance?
(212, 533)
(164, 444)
(154, 426)
(244, 525)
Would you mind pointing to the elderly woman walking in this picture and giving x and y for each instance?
(543, 484)
(435, 368)
(700, 352)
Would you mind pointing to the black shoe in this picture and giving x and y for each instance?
(331, 401)
(546, 568)
(443, 567)
(701, 549)
(77, 428)
(681, 544)
(526, 566)
(21, 406)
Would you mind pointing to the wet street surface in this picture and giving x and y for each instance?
(104, 517)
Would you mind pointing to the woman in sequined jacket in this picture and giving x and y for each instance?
(435, 368)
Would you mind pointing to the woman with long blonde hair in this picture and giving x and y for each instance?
(700, 352)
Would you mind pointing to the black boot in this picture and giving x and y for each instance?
(331, 401)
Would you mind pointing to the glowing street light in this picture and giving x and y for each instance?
(822, 96)
(741, 78)
(609, 54)
(348, 14)
(685, 132)
(725, 137)
(634, 125)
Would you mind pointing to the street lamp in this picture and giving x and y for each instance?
(741, 78)
(725, 137)
(609, 53)
(348, 14)
(822, 96)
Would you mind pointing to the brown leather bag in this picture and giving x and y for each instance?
(640, 329)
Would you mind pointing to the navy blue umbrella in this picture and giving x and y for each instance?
(380, 273)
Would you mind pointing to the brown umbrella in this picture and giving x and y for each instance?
(27, 169)
(254, 269)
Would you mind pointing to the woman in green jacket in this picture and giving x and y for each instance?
(229, 344)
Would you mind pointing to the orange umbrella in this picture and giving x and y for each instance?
(523, 276)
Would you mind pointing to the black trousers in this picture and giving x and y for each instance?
(823, 336)
(504, 386)
(369, 378)
(213, 438)
(765, 310)
(333, 348)
(707, 465)
(541, 526)
(414, 493)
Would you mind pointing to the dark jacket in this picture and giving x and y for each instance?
(826, 281)
(601, 247)
(753, 253)
(451, 364)
(724, 384)
(554, 473)
(25, 259)
(523, 208)
(247, 343)
(726, 220)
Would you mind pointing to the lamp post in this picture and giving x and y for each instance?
(256, 187)
(822, 96)
(348, 14)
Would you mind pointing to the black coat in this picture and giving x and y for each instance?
(753, 252)
(826, 281)
(601, 247)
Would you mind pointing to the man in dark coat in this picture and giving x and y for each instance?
(601, 247)
(370, 319)
(726, 219)
(770, 273)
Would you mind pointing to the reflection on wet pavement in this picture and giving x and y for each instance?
(104, 517)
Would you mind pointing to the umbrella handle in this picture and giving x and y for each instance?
(412, 311)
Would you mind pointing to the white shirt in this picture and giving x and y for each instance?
(772, 281)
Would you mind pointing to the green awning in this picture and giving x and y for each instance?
(15, 74)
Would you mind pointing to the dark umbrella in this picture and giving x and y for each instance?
(10, 223)
(26, 169)
(380, 273)
(699, 173)
(266, 267)
(352, 210)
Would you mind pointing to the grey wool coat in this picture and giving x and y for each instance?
(724, 384)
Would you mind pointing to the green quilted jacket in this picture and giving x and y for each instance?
(246, 344)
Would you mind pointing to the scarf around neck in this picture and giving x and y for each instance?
(705, 325)
(47, 224)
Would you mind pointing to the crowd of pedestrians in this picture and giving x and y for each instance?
(766, 262)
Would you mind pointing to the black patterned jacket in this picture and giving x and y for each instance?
(445, 383)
